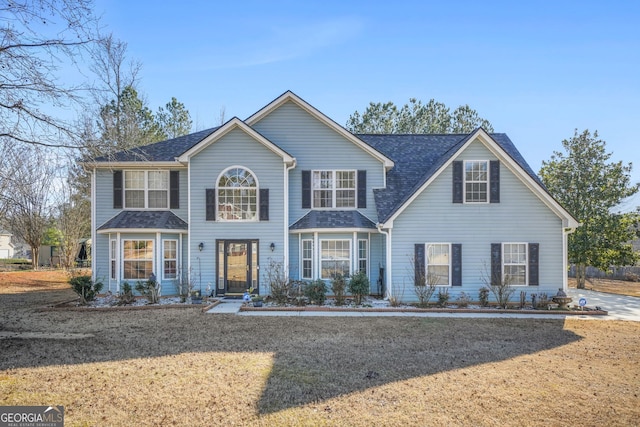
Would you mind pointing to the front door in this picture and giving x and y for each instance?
(237, 266)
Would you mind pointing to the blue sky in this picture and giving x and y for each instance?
(535, 70)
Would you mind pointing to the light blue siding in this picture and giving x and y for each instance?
(234, 149)
(520, 217)
(317, 147)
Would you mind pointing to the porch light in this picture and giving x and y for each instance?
(272, 246)
(201, 246)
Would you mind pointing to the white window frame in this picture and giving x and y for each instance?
(364, 259)
(524, 264)
(316, 185)
(125, 260)
(428, 264)
(165, 259)
(220, 213)
(473, 181)
(304, 259)
(113, 259)
(145, 188)
(347, 250)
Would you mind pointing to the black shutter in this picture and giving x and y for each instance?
(496, 263)
(174, 189)
(210, 204)
(456, 264)
(117, 189)
(306, 189)
(458, 181)
(419, 260)
(494, 181)
(362, 189)
(534, 256)
(264, 204)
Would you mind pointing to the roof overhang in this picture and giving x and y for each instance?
(568, 221)
(142, 231)
(289, 96)
(137, 164)
(234, 123)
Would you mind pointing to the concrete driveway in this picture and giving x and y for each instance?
(620, 307)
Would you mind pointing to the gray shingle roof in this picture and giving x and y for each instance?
(159, 220)
(332, 219)
(161, 151)
(417, 157)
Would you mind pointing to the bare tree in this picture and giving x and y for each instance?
(38, 39)
(73, 220)
(26, 195)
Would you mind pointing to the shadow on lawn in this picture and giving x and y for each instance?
(314, 358)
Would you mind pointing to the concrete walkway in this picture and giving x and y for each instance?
(619, 308)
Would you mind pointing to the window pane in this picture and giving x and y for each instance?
(237, 196)
(476, 181)
(138, 259)
(335, 258)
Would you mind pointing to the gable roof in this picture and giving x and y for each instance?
(289, 96)
(421, 157)
(235, 123)
(163, 151)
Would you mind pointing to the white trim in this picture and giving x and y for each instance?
(143, 230)
(526, 262)
(140, 164)
(341, 259)
(94, 231)
(367, 250)
(426, 260)
(285, 210)
(334, 189)
(487, 182)
(506, 160)
(290, 96)
(234, 123)
(302, 259)
(333, 230)
(256, 188)
(163, 259)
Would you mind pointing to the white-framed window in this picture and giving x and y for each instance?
(307, 259)
(137, 259)
(514, 263)
(334, 189)
(438, 264)
(170, 259)
(113, 258)
(237, 195)
(363, 255)
(476, 181)
(335, 258)
(146, 189)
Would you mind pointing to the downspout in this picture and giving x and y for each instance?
(387, 270)
(287, 168)
(94, 234)
(565, 256)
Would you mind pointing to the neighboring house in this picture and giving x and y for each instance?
(290, 185)
(7, 249)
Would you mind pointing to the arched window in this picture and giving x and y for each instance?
(237, 195)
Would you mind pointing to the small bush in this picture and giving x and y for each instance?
(280, 285)
(85, 288)
(540, 301)
(339, 288)
(631, 277)
(359, 286)
(443, 297)
(149, 289)
(483, 296)
(463, 300)
(316, 291)
(126, 296)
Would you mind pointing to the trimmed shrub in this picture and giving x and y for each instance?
(339, 289)
(483, 296)
(359, 286)
(443, 296)
(463, 300)
(316, 291)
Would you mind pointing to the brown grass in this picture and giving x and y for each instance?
(182, 367)
(620, 287)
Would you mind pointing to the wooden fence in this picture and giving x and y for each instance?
(617, 273)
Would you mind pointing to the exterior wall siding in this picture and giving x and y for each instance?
(316, 147)
(520, 217)
(234, 149)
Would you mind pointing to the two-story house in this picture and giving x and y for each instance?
(290, 185)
